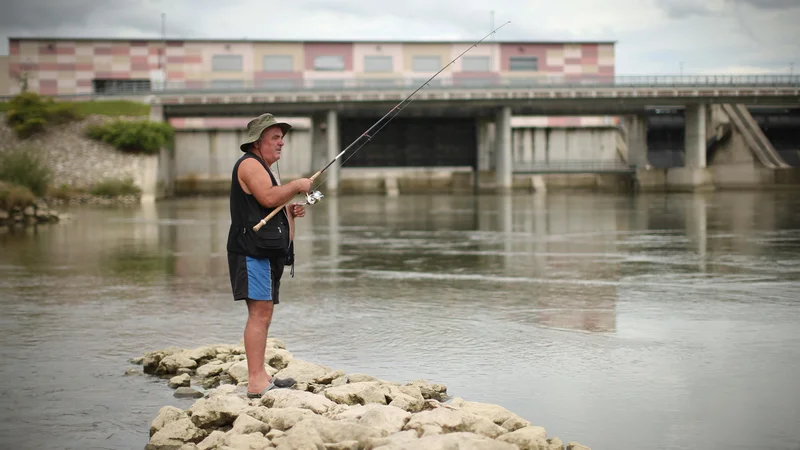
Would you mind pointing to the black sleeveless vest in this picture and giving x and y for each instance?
(272, 240)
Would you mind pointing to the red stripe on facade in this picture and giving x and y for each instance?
(312, 50)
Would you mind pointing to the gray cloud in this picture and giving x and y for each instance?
(681, 9)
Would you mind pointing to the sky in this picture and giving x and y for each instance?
(652, 36)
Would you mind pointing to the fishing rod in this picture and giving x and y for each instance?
(315, 196)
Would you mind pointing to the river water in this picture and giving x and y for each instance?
(663, 321)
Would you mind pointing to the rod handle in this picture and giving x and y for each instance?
(275, 211)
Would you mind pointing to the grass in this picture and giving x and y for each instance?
(23, 167)
(115, 188)
(112, 108)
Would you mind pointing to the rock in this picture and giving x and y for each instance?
(459, 440)
(278, 358)
(151, 360)
(408, 398)
(280, 419)
(210, 369)
(389, 418)
(430, 391)
(275, 343)
(302, 371)
(344, 445)
(252, 441)
(29, 211)
(179, 381)
(359, 393)
(209, 383)
(202, 353)
(227, 389)
(396, 440)
(446, 420)
(555, 444)
(217, 411)
(273, 434)
(189, 446)
(174, 435)
(329, 377)
(166, 415)
(528, 438)
(321, 430)
(495, 413)
(184, 370)
(245, 424)
(290, 398)
(187, 392)
(132, 371)
(212, 441)
(360, 378)
(138, 360)
(576, 446)
(171, 363)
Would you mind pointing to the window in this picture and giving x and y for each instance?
(475, 82)
(328, 84)
(227, 84)
(278, 63)
(426, 63)
(101, 86)
(226, 63)
(433, 83)
(377, 64)
(523, 63)
(279, 84)
(329, 63)
(476, 64)
(378, 83)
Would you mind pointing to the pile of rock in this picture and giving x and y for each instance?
(34, 214)
(327, 409)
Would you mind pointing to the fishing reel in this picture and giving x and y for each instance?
(313, 197)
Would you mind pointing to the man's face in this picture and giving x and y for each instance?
(270, 143)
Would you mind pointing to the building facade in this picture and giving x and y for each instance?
(53, 66)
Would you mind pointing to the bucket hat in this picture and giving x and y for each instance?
(257, 126)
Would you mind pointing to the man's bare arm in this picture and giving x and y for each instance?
(255, 180)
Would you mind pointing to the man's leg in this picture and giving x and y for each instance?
(259, 317)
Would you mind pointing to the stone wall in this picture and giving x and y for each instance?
(77, 161)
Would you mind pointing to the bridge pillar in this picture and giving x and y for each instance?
(332, 127)
(637, 141)
(503, 154)
(695, 136)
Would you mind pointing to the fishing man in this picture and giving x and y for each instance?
(256, 259)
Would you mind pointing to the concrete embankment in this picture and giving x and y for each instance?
(326, 409)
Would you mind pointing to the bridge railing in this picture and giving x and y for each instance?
(450, 83)
(572, 166)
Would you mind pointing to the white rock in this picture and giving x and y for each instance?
(576, 446)
(245, 424)
(217, 411)
(495, 413)
(302, 371)
(290, 398)
(212, 441)
(179, 381)
(253, 441)
(279, 418)
(528, 438)
(174, 434)
(460, 441)
(277, 357)
(166, 415)
(446, 420)
(356, 393)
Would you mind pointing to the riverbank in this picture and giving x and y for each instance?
(326, 408)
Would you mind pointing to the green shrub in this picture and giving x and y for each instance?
(138, 136)
(14, 196)
(23, 167)
(29, 114)
(115, 188)
(112, 108)
(64, 191)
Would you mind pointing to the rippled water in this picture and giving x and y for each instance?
(625, 322)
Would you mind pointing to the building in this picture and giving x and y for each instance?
(53, 66)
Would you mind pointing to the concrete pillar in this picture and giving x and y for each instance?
(332, 128)
(527, 145)
(485, 131)
(157, 113)
(637, 141)
(319, 142)
(503, 154)
(540, 145)
(695, 139)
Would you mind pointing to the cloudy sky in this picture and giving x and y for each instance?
(652, 36)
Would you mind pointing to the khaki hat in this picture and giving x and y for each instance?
(257, 126)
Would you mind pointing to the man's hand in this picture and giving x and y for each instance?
(303, 184)
(297, 210)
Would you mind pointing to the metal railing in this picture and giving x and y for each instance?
(569, 166)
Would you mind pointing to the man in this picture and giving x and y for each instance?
(256, 259)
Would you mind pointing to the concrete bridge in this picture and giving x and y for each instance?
(713, 108)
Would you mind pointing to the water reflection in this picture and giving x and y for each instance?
(674, 303)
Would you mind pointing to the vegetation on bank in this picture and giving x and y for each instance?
(137, 136)
(112, 108)
(29, 114)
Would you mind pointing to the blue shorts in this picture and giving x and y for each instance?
(255, 279)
